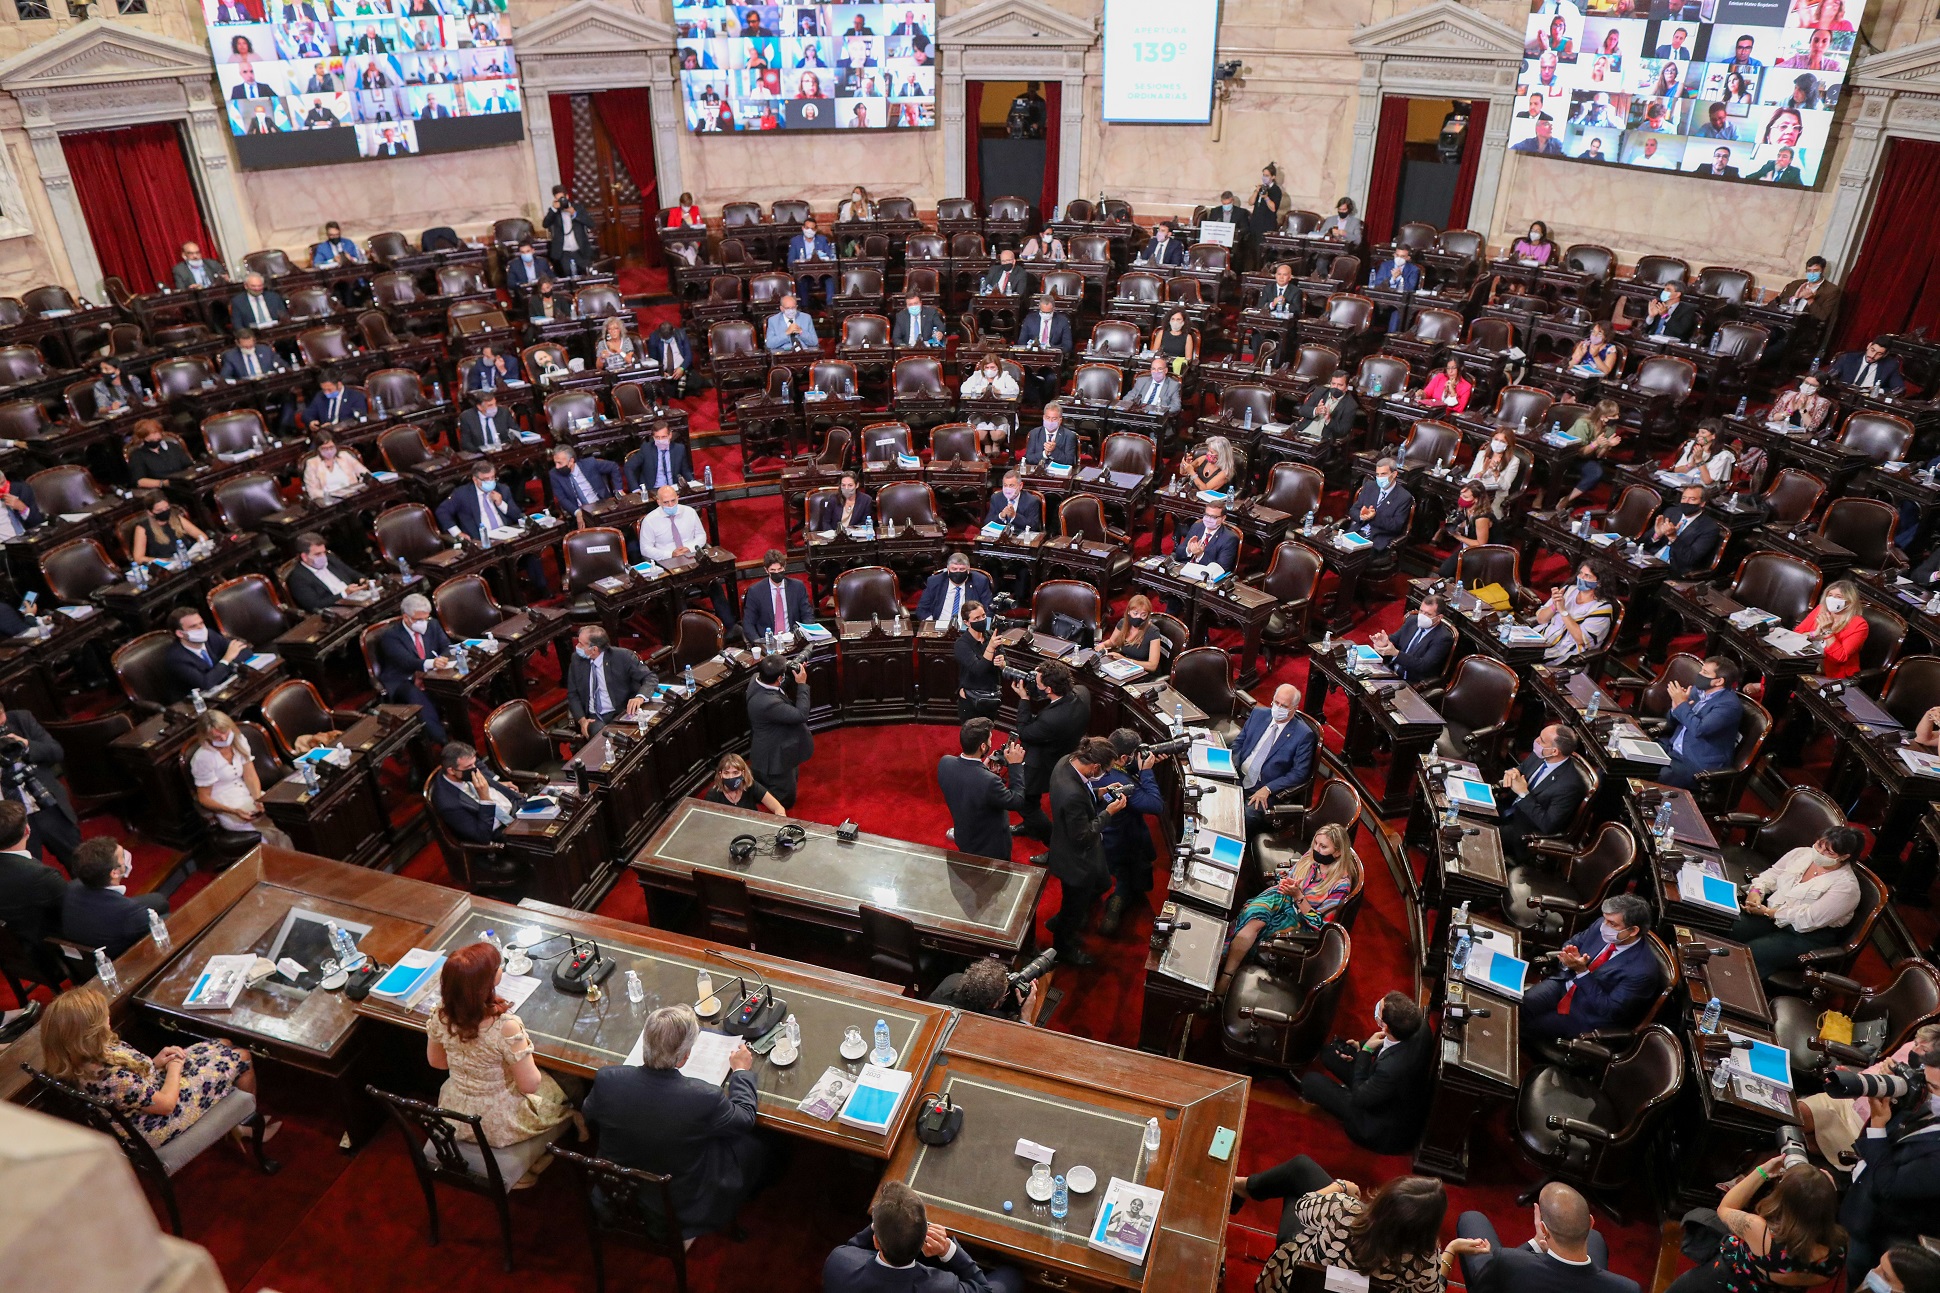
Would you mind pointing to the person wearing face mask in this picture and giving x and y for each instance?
(1162, 248)
(1156, 392)
(115, 391)
(1605, 976)
(789, 328)
(194, 270)
(486, 426)
(97, 911)
(775, 602)
(156, 455)
(1418, 650)
(1053, 713)
(810, 248)
(1801, 407)
(320, 578)
(1837, 629)
(1383, 508)
(474, 510)
(670, 347)
(1567, 1255)
(1398, 273)
(1016, 507)
(334, 403)
(1895, 1192)
(1128, 835)
(258, 305)
(570, 242)
(577, 483)
(474, 805)
(51, 823)
(1704, 458)
(413, 643)
(1176, 342)
(1005, 278)
(1075, 854)
(979, 798)
(1813, 292)
(1052, 441)
(164, 534)
(916, 324)
(1379, 1089)
(525, 270)
(1496, 469)
(849, 507)
(1686, 535)
(1209, 541)
(1596, 355)
(1904, 1268)
(990, 382)
(952, 590)
(1042, 247)
(1047, 329)
(1702, 727)
(1535, 249)
(980, 666)
(1446, 389)
(1538, 796)
(1329, 413)
(1670, 315)
(735, 786)
(1135, 637)
(781, 741)
(332, 471)
(604, 682)
(1274, 754)
(1872, 369)
(1307, 893)
(661, 461)
(1576, 618)
(199, 660)
(1467, 525)
(1801, 902)
(223, 769)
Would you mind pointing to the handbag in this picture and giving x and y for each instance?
(1494, 596)
(1835, 1027)
(1704, 1232)
(1070, 628)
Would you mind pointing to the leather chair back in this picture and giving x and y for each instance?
(515, 742)
(1491, 334)
(394, 288)
(1070, 597)
(76, 568)
(408, 531)
(907, 502)
(1174, 631)
(1744, 342)
(731, 338)
(1008, 208)
(23, 419)
(181, 376)
(859, 330)
(1864, 527)
(922, 280)
(1185, 291)
(698, 638)
(724, 289)
(598, 300)
(293, 710)
(1348, 312)
(403, 448)
(954, 442)
(1416, 235)
(1909, 1001)
(1315, 364)
(1731, 285)
(1463, 242)
(591, 555)
(919, 377)
(1209, 256)
(1084, 516)
(967, 246)
(1080, 211)
(875, 246)
(321, 347)
(1633, 512)
(234, 431)
(1481, 694)
(836, 447)
(66, 488)
(1595, 872)
(1294, 488)
(1204, 676)
(1308, 1002)
(734, 251)
(93, 779)
(1912, 688)
(466, 607)
(926, 246)
(1658, 271)
(1885, 638)
(1114, 337)
(833, 375)
(311, 303)
(1131, 452)
(1880, 436)
(1593, 259)
(20, 364)
(1065, 285)
(1803, 816)
(1299, 222)
(867, 591)
(1098, 382)
(766, 290)
(399, 388)
(882, 441)
(632, 400)
(1384, 374)
(243, 501)
(1344, 269)
(861, 281)
(140, 670)
(1654, 701)
(511, 230)
(1437, 328)
(1792, 496)
(895, 953)
(740, 215)
(896, 208)
(1490, 563)
(1140, 287)
(1428, 443)
(1667, 375)
(554, 353)
(1238, 399)
(247, 607)
(1519, 404)
(569, 409)
(1294, 573)
(375, 330)
(39, 300)
(1781, 584)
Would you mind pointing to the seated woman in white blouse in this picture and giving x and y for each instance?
(1704, 458)
(332, 471)
(226, 783)
(1495, 469)
(990, 382)
(1801, 902)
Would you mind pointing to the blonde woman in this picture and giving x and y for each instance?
(857, 206)
(735, 786)
(617, 351)
(1598, 432)
(163, 1096)
(226, 783)
(1135, 637)
(1211, 467)
(1837, 628)
(1495, 469)
(1308, 893)
(332, 471)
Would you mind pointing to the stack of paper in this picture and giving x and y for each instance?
(1697, 885)
(1497, 971)
(878, 1094)
(222, 981)
(1128, 1217)
(1211, 760)
(412, 972)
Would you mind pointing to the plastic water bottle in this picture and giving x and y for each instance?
(1060, 1199)
(1460, 588)
(1744, 402)
(1708, 1021)
(884, 1053)
(437, 391)
(707, 474)
(158, 930)
(1179, 714)
(404, 567)
(1720, 1077)
(687, 678)
(792, 1031)
(1327, 641)
(1190, 835)
(1661, 823)
(1590, 714)
(1249, 417)
(104, 970)
(1458, 958)
(196, 702)
(636, 992)
(703, 986)
(1151, 1135)
(1670, 838)
(1308, 524)
(458, 660)
(308, 771)
(377, 406)
(491, 936)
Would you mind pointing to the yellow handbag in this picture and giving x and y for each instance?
(1493, 596)
(1835, 1027)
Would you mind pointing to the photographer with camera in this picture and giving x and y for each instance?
(1833, 1124)
(1128, 837)
(1053, 713)
(980, 800)
(1895, 1193)
(980, 666)
(30, 772)
(781, 742)
(985, 987)
(1791, 1237)
(1077, 852)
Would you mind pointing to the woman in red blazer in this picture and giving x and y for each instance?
(685, 214)
(1448, 390)
(1837, 628)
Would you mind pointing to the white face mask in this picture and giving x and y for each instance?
(1281, 713)
(1499, 446)
(1837, 605)
(222, 742)
(417, 626)
(1424, 621)
(197, 636)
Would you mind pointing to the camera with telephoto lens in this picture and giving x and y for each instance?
(1002, 603)
(1026, 676)
(18, 776)
(1897, 1083)
(1170, 746)
(1791, 1146)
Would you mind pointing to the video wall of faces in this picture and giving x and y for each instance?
(806, 66)
(310, 81)
(1726, 89)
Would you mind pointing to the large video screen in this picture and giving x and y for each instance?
(1727, 89)
(1159, 60)
(313, 81)
(806, 66)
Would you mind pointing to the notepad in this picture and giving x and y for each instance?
(816, 633)
(1701, 887)
(1470, 795)
(1919, 763)
(1498, 971)
(1221, 849)
(1764, 1061)
(1638, 750)
(878, 1094)
(1788, 641)
(1211, 760)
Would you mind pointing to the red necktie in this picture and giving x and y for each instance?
(1563, 1006)
(417, 640)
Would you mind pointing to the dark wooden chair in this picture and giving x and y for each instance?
(632, 1204)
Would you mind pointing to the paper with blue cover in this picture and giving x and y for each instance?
(1210, 760)
(1764, 1061)
(403, 980)
(1222, 849)
(1695, 884)
(1367, 656)
(1470, 796)
(877, 1095)
(816, 633)
(1496, 971)
(1351, 541)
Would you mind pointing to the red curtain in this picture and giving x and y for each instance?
(1895, 283)
(628, 117)
(1047, 205)
(1478, 121)
(972, 130)
(562, 137)
(140, 203)
(1384, 185)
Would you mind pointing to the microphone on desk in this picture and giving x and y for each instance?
(756, 1012)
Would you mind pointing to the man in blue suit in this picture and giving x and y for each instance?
(199, 659)
(1163, 249)
(1048, 330)
(1871, 369)
(19, 512)
(1381, 509)
(525, 269)
(902, 1251)
(97, 911)
(474, 806)
(1275, 753)
(663, 460)
(247, 359)
(490, 370)
(1418, 649)
(473, 510)
(1052, 440)
(578, 483)
(777, 602)
(818, 253)
(414, 643)
(1209, 541)
(790, 329)
(1539, 795)
(1703, 731)
(1012, 506)
(334, 402)
(671, 348)
(1398, 273)
(952, 589)
(1606, 978)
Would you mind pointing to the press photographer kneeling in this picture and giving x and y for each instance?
(1895, 1192)
(987, 988)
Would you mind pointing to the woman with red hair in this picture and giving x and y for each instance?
(475, 1036)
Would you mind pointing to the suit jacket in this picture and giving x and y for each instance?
(1173, 252)
(519, 278)
(1388, 1094)
(241, 314)
(937, 589)
(853, 1267)
(828, 511)
(992, 277)
(1710, 730)
(1290, 763)
(582, 233)
(1032, 329)
(397, 660)
(782, 741)
(1030, 511)
(185, 279)
(1222, 548)
(33, 516)
(1051, 733)
(309, 592)
(1340, 423)
(980, 803)
(1546, 809)
(1390, 514)
(1525, 1270)
(1274, 297)
(351, 405)
(12, 622)
(758, 608)
(776, 337)
(928, 324)
(1894, 1199)
(44, 752)
(466, 818)
(1383, 274)
(1077, 851)
(800, 248)
(669, 348)
(659, 1121)
(329, 253)
(1064, 449)
(1142, 391)
(471, 428)
(1693, 548)
(103, 918)
(642, 464)
(1616, 993)
(1680, 323)
(1824, 303)
(1845, 371)
(479, 375)
(1420, 652)
(31, 896)
(236, 369)
(461, 510)
(602, 475)
(626, 677)
(186, 671)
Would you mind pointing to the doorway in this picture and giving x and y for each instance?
(606, 163)
(999, 164)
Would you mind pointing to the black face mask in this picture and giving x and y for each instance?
(974, 626)
(1136, 621)
(959, 576)
(776, 576)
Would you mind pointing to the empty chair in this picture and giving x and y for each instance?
(526, 753)
(1290, 580)
(1476, 709)
(294, 710)
(1589, 1123)
(1068, 605)
(630, 1203)
(247, 608)
(1204, 676)
(907, 502)
(1903, 1006)
(1283, 1018)
(865, 592)
(1775, 582)
(1549, 899)
(896, 954)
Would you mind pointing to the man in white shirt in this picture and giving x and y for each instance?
(674, 530)
(1802, 902)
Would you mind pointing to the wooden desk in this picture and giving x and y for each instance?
(1377, 703)
(310, 643)
(1242, 606)
(877, 670)
(1478, 1061)
(1721, 1130)
(1732, 978)
(961, 903)
(1179, 979)
(1090, 1102)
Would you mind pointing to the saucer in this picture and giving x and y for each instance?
(709, 1008)
(854, 1051)
(782, 1058)
(334, 981)
(1040, 1192)
(1079, 1180)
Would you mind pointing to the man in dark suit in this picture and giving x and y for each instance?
(335, 402)
(1004, 278)
(1382, 507)
(1280, 298)
(194, 271)
(569, 239)
(97, 911)
(603, 680)
(673, 350)
(810, 247)
(916, 324)
(1274, 754)
(473, 510)
(1538, 796)
(257, 305)
(776, 602)
(320, 577)
(31, 896)
(578, 483)
(901, 1251)
(525, 268)
(490, 370)
(1606, 976)
(781, 739)
(1046, 330)
(1076, 853)
(1720, 165)
(1052, 441)
(953, 589)
(1052, 714)
(663, 460)
(1013, 506)
(51, 819)
(1380, 1088)
(1686, 535)
(486, 426)
(1156, 391)
(652, 1118)
(1702, 732)
(1895, 1194)
(1208, 541)
(980, 801)
(1566, 1255)
(249, 358)
(199, 659)
(1163, 248)
(391, 145)
(475, 806)
(1871, 369)
(407, 648)
(1670, 315)
(1329, 413)
(1398, 273)
(1419, 648)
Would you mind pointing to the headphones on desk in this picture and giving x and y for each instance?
(790, 837)
(741, 848)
